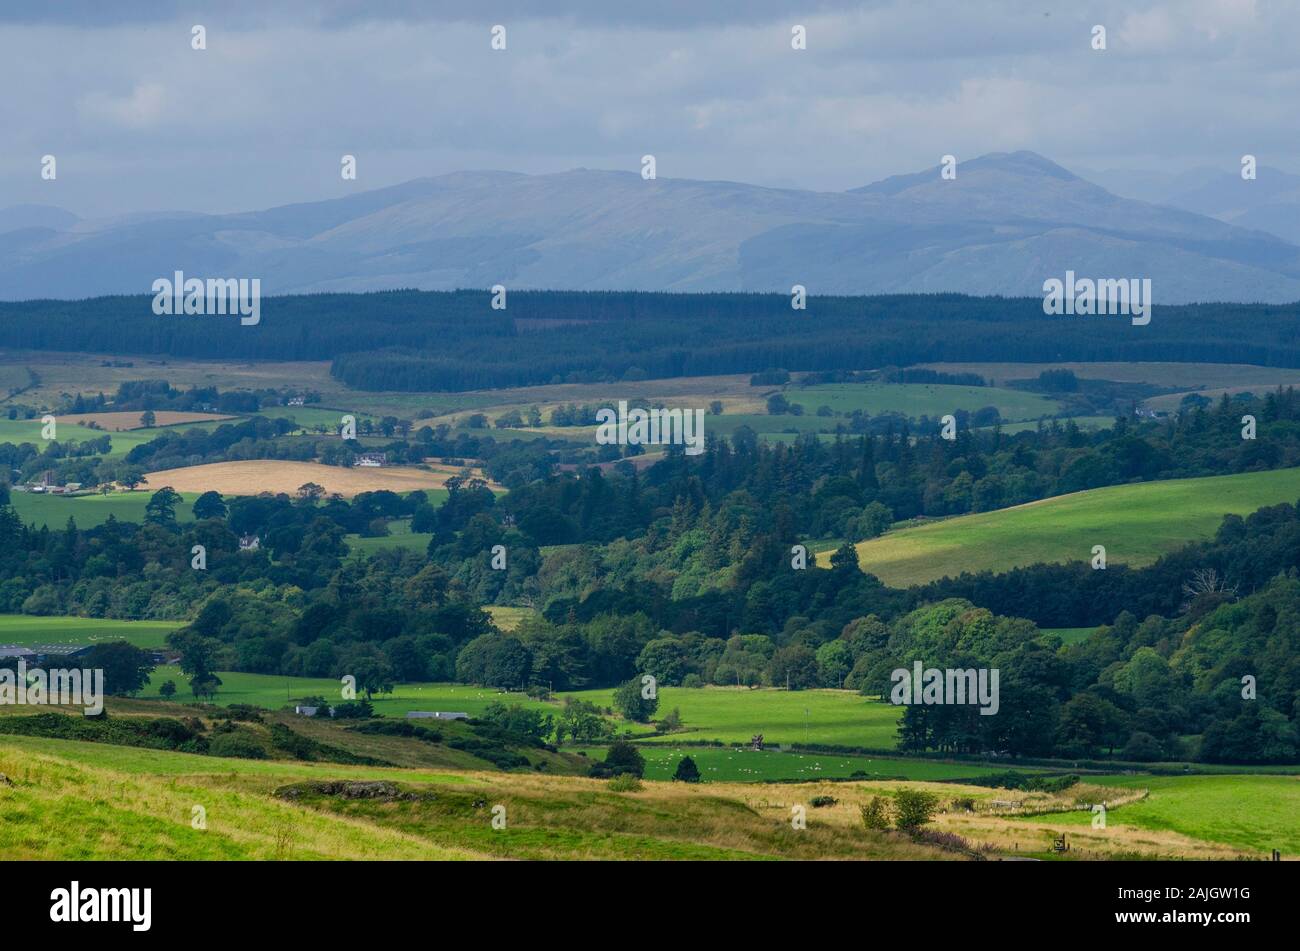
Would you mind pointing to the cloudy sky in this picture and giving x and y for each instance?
(139, 121)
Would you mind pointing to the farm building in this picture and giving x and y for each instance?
(51, 652)
(249, 543)
(435, 715)
(38, 654)
(371, 460)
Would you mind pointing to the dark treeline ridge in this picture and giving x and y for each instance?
(454, 340)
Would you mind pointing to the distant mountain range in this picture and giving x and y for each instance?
(1003, 226)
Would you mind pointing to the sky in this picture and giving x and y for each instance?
(139, 121)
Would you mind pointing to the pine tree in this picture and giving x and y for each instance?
(687, 771)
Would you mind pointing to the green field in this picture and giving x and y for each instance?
(92, 510)
(746, 765)
(507, 618)
(24, 629)
(1184, 376)
(1136, 523)
(764, 424)
(735, 714)
(309, 417)
(274, 692)
(19, 431)
(920, 399)
(725, 714)
(1083, 422)
(399, 533)
(1249, 811)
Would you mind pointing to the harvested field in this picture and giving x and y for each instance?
(120, 422)
(272, 475)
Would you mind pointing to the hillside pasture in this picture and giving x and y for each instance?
(1255, 813)
(91, 510)
(1137, 523)
(920, 399)
(735, 714)
(25, 630)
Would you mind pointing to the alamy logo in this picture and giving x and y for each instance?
(654, 427)
(934, 686)
(72, 688)
(1104, 296)
(215, 296)
(103, 904)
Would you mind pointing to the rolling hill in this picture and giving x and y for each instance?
(1136, 524)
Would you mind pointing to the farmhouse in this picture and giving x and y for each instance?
(249, 543)
(371, 460)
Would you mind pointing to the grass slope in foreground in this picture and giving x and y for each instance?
(1137, 524)
(71, 800)
(1256, 813)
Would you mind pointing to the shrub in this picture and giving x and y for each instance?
(817, 802)
(625, 782)
(913, 809)
(237, 743)
(353, 710)
(875, 813)
(243, 712)
(672, 722)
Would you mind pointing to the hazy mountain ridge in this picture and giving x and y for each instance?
(1004, 225)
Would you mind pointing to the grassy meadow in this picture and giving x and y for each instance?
(91, 510)
(1137, 524)
(745, 765)
(399, 533)
(1253, 812)
(920, 399)
(735, 714)
(24, 629)
(274, 692)
(722, 714)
